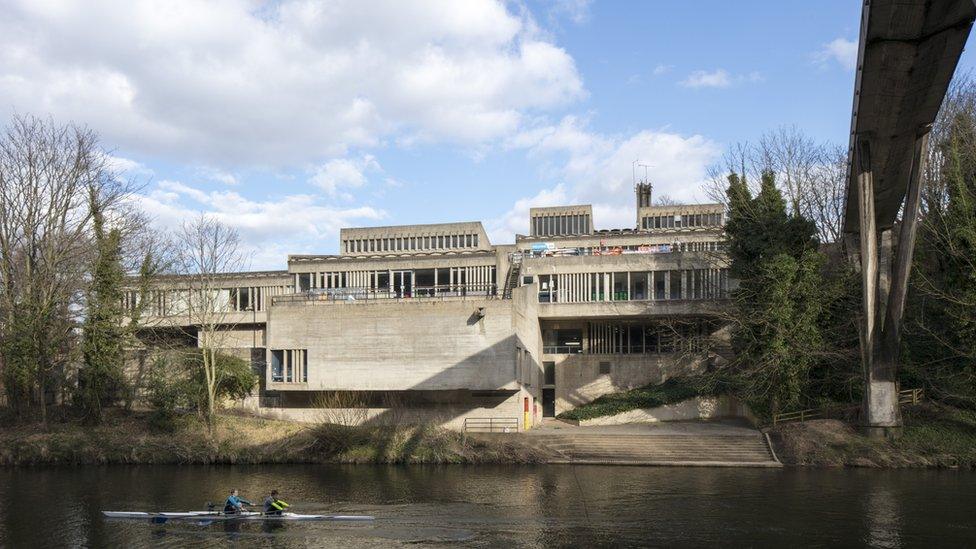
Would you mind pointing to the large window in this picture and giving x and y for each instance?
(289, 365)
(563, 341)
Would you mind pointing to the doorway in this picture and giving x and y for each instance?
(403, 283)
(549, 403)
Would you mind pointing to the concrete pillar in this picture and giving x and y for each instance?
(667, 284)
(881, 410)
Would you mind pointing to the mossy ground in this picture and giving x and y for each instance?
(131, 439)
(648, 396)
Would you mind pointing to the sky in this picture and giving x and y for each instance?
(289, 120)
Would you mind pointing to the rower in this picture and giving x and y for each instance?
(235, 504)
(273, 505)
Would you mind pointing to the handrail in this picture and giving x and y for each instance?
(905, 396)
(490, 425)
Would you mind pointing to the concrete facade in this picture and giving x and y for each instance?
(434, 323)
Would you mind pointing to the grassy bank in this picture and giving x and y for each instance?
(649, 396)
(933, 436)
(130, 439)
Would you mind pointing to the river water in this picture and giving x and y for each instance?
(499, 506)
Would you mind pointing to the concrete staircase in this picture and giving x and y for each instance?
(660, 449)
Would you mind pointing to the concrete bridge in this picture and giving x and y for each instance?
(907, 54)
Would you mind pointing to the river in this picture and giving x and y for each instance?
(494, 506)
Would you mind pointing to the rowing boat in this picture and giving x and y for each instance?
(214, 516)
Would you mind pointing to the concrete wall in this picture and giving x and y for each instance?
(578, 377)
(423, 345)
(239, 337)
(450, 415)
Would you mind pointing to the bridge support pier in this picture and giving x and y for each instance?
(884, 288)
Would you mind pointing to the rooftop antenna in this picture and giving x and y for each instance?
(642, 188)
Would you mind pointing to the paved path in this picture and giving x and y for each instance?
(685, 443)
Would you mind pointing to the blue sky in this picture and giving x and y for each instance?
(291, 119)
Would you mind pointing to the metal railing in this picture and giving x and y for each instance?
(479, 291)
(490, 425)
(906, 396)
(562, 349)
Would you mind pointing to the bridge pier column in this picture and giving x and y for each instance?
(884, 287)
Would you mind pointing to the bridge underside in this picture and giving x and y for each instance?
(907, 54)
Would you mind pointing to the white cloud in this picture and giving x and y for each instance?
(218, 175)
(597, 169)
(339, 173)
(126, 166)
(578, 11)
(661, 68)
(719, 78)
(840, 50)
(704, 79)
(233, 81)
(270, 229)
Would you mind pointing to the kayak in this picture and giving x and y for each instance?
(212, 516)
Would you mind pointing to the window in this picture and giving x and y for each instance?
(289, 365)
(604, 368)
(304, 282)
(550, 372)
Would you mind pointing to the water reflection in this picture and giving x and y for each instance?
(882, 517)
(543, 506)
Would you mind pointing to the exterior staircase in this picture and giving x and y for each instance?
(514, 270)
(660, 449)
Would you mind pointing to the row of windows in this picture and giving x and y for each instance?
(177, 302)
(554, 225)
(679, 221)
(444, 279)
(626, 338)
(410, 243)
(634, 286)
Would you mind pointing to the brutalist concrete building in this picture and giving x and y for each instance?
(435, 323)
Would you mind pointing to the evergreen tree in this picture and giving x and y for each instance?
(780, 299)
(103, 345)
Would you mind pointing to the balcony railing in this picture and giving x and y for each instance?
(447, 291)
(562, 349)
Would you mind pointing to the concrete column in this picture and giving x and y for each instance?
(628, 285)
(881, 410)
(667, 284)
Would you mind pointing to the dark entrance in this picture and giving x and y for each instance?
(548, 403)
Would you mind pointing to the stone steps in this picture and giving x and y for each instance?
(739, 450)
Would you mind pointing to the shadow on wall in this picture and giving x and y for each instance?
(435, 400)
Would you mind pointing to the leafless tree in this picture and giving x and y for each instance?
(49, 176)
(206, 250)
(811, 175)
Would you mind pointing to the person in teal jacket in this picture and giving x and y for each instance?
(235, 504)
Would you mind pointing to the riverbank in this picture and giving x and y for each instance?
(934, 436)
(130, 439)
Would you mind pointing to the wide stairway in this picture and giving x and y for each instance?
(750, 450)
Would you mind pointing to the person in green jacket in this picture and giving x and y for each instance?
(273, 505)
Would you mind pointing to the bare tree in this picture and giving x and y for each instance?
(207, 249)
(811, 175)
(49, 176)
